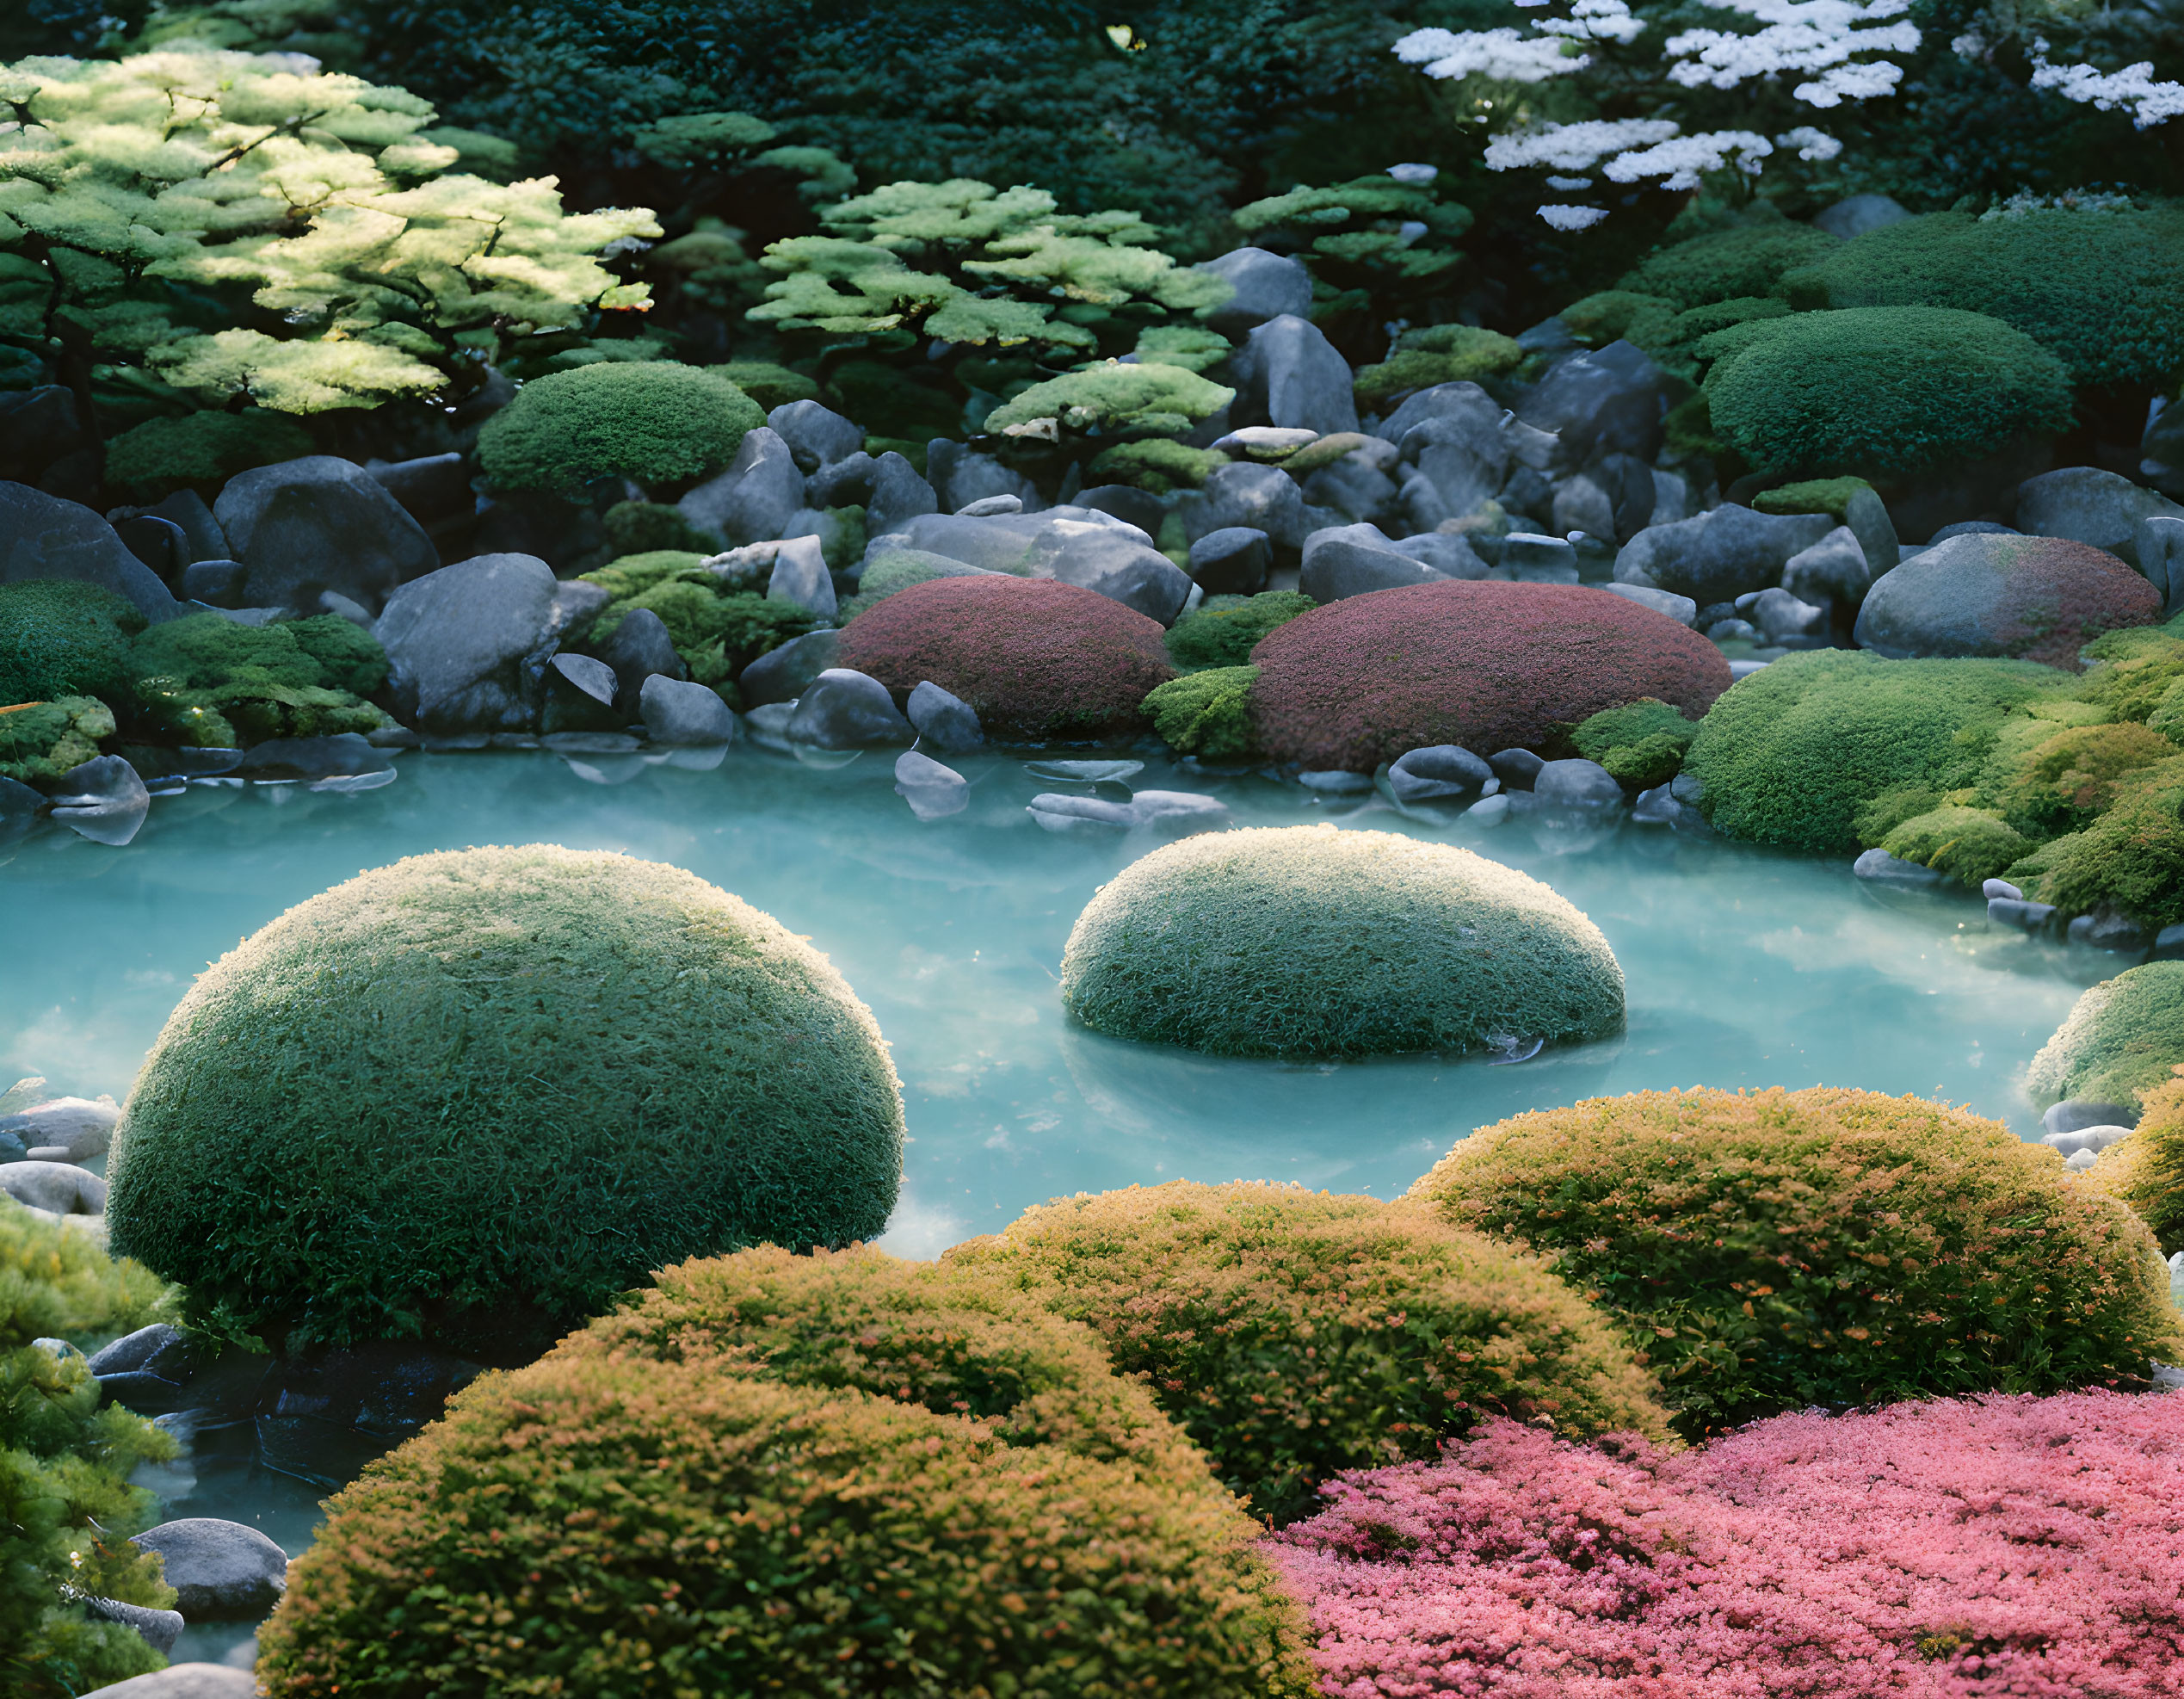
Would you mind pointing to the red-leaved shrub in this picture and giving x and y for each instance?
(2006, 1545)
(1039, 660)
(1487, 665)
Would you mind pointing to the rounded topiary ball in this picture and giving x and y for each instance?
(481, 1092)
(1774, 1250)
(2123, 1037)
(1040, 661)
(1487, 664)
(652, 421)
(1309, 941)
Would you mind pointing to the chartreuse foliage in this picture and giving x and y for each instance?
(717, 629)
(1642, 744)
(2124, 1037)
(1223, 630)
(1113, 399)
(2045, 778)
(2131, 858)
(1157, 464)
(40, 741)
(1308, 941)
(217, 685)
(1294, 1333)
(1440, 354)
(1830, 496)
(2146, 1170)
(60, 637)
(1971, 845)
(1206, 712)
(654, 422)
(481, 994)
(66, 1507)
(1773, 1249)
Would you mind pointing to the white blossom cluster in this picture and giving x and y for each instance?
(1594, 20)
(1575, 147)
(1810, 35)
(1572, 217)
(2133, 87)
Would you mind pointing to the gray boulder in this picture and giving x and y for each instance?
(1534, 558)
(343, 755)
(1577, 784)
(843, 483)
(60, 1187)
(677, 712)
(944, 720)
(842, 709)
(1879, 868)
(320, 523)
(1170, 811)
(159, 1629)
(1834, 568)
(1720, 555)
(1231, 561)
(2088, 505)
(781, 675)
(183, 1681)
(1353, 487)
(1583, 504)
(816, 437)
(1266, 286)
(1141, 508)
(1263, 499)
(800, 576)
(1070, 545)
(431, 488)
(1783, 618)
(467, 646)
(1446, 553)
(1436, 770)
(1978, 595)
(1349, 560)
(641, 651)
(42, 537)
(222, 1570)
(1288, 373)
(1867, 517)
(1681, 608)
(104, 800)
(1859, 213)
(960, 476)
(755, 499)
(899, 496)
(74, 1129)
(217, 584)
(2159, 545)
(1118, 564)
(933, 791)
(1605, 401)
(2076, 1115)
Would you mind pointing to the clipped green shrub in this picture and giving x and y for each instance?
(1971, 845)
(1112, 397)
(1883, 391)
(1620, 315)
(2122, 1038)
(1789, 755)
(65, 1464)
(1294, 1333)
(1830, 496)
(2133, 673)
(1730, 264)
(347, 653)
(1773, 1250)
(2130, 859)
(1222, 631)
(2146, 1170)
(203, 448)
(631, 575)
(1690, 325)
(1439, 354)
(1641, 744)
(1308, 941)
(649, 528)
(2047, 780)
(1207, 713)
(655, 422)
(767, 384)
(717, 629)
(608, 1524)
(60, 637)
(210, 682)
(478, 1093)
(1158, 464)
(41, 741)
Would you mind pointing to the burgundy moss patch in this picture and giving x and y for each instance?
(1487, 664)
(1040, 661)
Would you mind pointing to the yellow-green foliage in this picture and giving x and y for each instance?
(60, 637)
(1439, 354)
(1773, 1250)
(66, 1507)
(1295, 1333)
(2131, 858)
(718, 631)
(1729, 264)
(2047, 780)
(1223, 630)
(1830, 496)
(1308, 941)
(210, 682)
(2123, 1037)
(1641, 744)
(1113, 397)
(590, 1066)
(1158, 464)
(2146, 1170)
(40, 741)
(1206, 713)
(1971, 845)
(203, 448)
(655, 422)
(2131, 673)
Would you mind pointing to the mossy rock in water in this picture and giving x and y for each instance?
(2146, 1170)
(1308, 941)
(1294, 1334)
(1971, 845)
(41, 741)
(652, 421)
(60, 637)
(2122, 1038)
(1224, 629)
(1641, 744)
(479, 1093)
(1206, 713)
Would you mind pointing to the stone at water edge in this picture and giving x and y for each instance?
(222, 1570)
(1438, 769)
(933, 791)
(677, 712)
(1165, 808)
(944, 720)
(59, 1188)
(1577, 784)
(104, 800)
(842, 709)
(307, 526)
(80, 1126)
(781, 675)
(467, 646)
(160, 1628)
(1881, 867)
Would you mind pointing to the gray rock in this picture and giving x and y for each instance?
(1867, 517)
(1353, 487)
(1581, 503)
(2075, 1114)
(2093, 1139)
(1231, 561)
(846, 483)
(677, 712)
(1437, 770)
(81, 1128)
(1733, 631)
(2158, 543)
(641, 651)
(1859, 213)
(1577, 784)
(1721, 554)
(987, 507)
(1355, 560)
(1965, 597)
(1515, 768)
(1489, 811)
(1834, 568)
(1334, 781)
(2088, 505)
(815, 437)
(781, 675)
(1991, 889)
(223, 1570)
(1785, 617)
(588, 678)
(1118, 564)
(42, 537)
(577, 603)
(1288, 373)
(60, 1187)
(934, 792)
(159, 543)
(1266, 286)
(183, 1681)
(1131, 506)
(1745, 669)
(159, 1629)
(430, 488)
(217, 584)
(755, 499)
(1881, 868)
(2169, 944)
(1170, 810)
(467, 646)
(800, 576)
(343, 755)
(1448, 554)
(1605, 401)
(134, 1353)
(1971, 528)
(1531, 557)
(899, 496)
(2106, 929)
(1260, 498)
(944, 720)
(842, 709)
(1464, 451)
(104, 800)
(1681, 608)
(1265, 443)
(320, 523)
(960, 476)
(1661, 807)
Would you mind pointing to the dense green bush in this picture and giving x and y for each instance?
(1206, 713)
(2132, 673)
(40, 741)
(1113, 398)
(66, 1507)
(1971, 845)
(1308, 941)
(1440, 354)
(217, 685)
(2146, 1170)
(609, 1524)
(1642, 745)
(1773, 1250)
(1883, 391)
(202, 449)
(1790, 754)
(2047, 779)
(60, 637)
(1295, 1333)
(1159, 464)
(480, 1092)
(651, 527)
(1728, 264)
(2124, 1037)
(349, 655)
(2131, 858)
(1223, 630)
(653, 420)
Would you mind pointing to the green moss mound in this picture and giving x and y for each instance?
(1773, 1250)
(2124, 1037)
(1114, 398)
(1207, 713)
(1642, 745)
(608, 1524)
(1223, 631)
(1623, 315)
(2133, 674)
(1728, 264)
(478, 1093)
(1160, 465)
(2130, 859)
(203, 448)
(2104, 291)
(65, 1464)
(1789, 755)
(1882, 392)
(1308, 941)
(1830, 496)
(654, 422)
(2146, 1170)
(717, 629)
(350, 656)
(2047, 779)
(1295, 1333)
(207, 681)
(897, 569)
(41, 741)
(59, 638)
(768, 384)
(1439, 354)
(1971, 845)
(1691, 325)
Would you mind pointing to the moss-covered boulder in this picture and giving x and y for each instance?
(207, 681)
(2122, 1038)
(1641, 744)
(41, 741)
(478, 1093)
(2131, 858)
(59, 638)
(2032, 598)
(654, 420)
(1971, 845)
(1312, 941)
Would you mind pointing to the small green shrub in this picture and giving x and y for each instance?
(2134, 671)
(1159, 464)
(1207, 713)
(64, 1465)
(1883, 391)
(41, 741)
(653, 527)
(1114, 398)
(1730, 264)
(2131, 858)
(1307, 940)
(718, 634)
(1874, 819)
(1642, 745)
(632, 575)
(1439, 354)
(1620, 315)
(1969, 845)
(1830, 496)
(768, 384)
(655, 422)
(897, 569)
(203, 448)
(2146, 1170)
(1293, 1333)
(2122, 1038)
(208, 681)
(1789, 755)
(1224, 629)
(2046, 780)
(589, 1066)
(61, 638)
(1773, 1249)
(349, 655)
(1690, 325)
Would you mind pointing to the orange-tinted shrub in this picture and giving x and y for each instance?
(2146, 1170)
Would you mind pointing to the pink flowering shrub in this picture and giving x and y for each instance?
(2000, 1546)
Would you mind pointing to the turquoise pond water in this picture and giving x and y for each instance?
(1744, 967)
